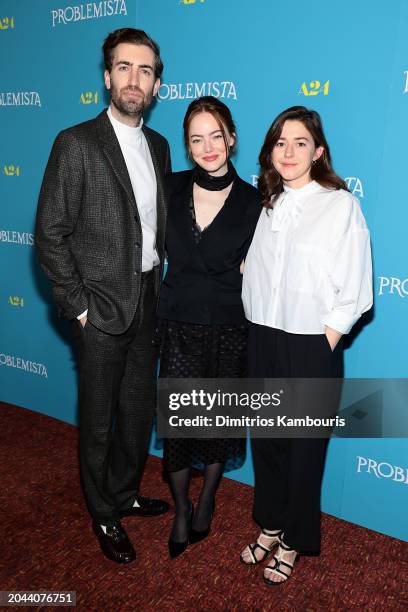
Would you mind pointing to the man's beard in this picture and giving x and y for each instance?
(131, 108)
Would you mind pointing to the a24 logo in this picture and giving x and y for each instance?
(6, 23)
(89, 97)
(11, 170)
(314, 88)
(14, 300)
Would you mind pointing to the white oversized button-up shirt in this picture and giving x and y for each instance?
(309, 264)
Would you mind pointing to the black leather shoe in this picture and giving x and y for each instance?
(147, 507)
(197, 536)
(115, 543)
(177, 548)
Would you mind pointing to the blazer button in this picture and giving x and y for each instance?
(137, 245)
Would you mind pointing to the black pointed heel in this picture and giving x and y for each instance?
(177, 548)
(197, 536)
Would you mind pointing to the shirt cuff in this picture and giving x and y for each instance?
(340, 321)
(82, 315)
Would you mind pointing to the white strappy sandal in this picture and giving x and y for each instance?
(279, 566)
(267, 541)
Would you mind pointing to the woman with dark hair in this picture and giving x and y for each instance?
(211, 220)
(307, 280)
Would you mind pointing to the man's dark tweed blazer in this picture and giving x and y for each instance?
(88, 232)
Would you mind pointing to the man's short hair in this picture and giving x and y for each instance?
(136, 37)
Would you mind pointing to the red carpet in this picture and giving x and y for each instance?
(47, 543)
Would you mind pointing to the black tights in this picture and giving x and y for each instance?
(180, 484)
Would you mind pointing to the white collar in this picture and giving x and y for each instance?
(126, 133)
(304, 191)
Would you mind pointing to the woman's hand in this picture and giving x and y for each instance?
(333, 337)
(242, 266)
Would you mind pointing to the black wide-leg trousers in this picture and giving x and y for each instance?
(117, 378)
(288, 472)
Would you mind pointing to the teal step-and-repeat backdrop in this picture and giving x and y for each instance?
(346, 59)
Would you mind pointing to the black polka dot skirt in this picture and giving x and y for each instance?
(188, 350)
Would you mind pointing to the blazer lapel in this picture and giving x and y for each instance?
(115, 157)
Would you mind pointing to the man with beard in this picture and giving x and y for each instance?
(100, 238)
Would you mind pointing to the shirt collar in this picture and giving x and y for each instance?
(304, 191)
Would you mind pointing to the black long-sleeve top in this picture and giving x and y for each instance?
(203, 281)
